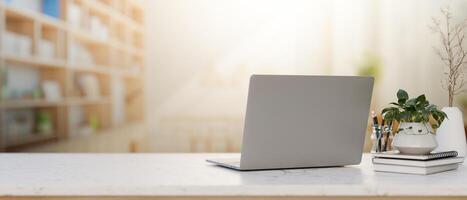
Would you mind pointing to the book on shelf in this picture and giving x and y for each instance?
(51, 8)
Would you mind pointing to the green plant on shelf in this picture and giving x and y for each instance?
(44, 122)
(416, 109)
(94, 122)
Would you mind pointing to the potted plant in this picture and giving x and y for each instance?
(415, 134)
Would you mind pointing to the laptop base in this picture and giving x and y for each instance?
(232, 163)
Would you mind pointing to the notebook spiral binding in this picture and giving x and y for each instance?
(443, 154)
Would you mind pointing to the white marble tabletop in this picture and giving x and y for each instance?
(190, 175)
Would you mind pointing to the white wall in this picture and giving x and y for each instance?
(201, 52)
(407, 47)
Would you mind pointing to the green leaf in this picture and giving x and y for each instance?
(402, 96)
(405, 116)
(411, 103)
(435, 116)
(421, 102)
(426, 103)
(390, 109)
(425, 115)
(431, 107)
(421, 98)
(390, 114)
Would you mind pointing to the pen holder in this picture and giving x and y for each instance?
(382, 139)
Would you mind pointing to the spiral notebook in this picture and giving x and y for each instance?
(432, 156)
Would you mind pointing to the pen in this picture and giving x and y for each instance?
(375, 119)
(383, 135)
(377, 131)
(388, 133)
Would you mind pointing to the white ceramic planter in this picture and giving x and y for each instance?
(415, 139)
(451, 134)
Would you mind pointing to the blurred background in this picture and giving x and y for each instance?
(172, 75)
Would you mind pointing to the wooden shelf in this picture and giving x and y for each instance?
(84, 36)
(56, 63)
(29, 139)
(34, 61)
(90, 68)
(84, 101)
(31, 15)
(115, 58)
(77, 32)
(101, 7)
(91, 4)
(98, 6)
(12, 104)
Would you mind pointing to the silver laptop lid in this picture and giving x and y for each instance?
(305, 121)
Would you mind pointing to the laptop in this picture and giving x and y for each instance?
(297, 121)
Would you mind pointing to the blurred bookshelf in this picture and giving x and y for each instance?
(69, 68)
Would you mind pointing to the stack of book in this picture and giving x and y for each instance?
(416, 164)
